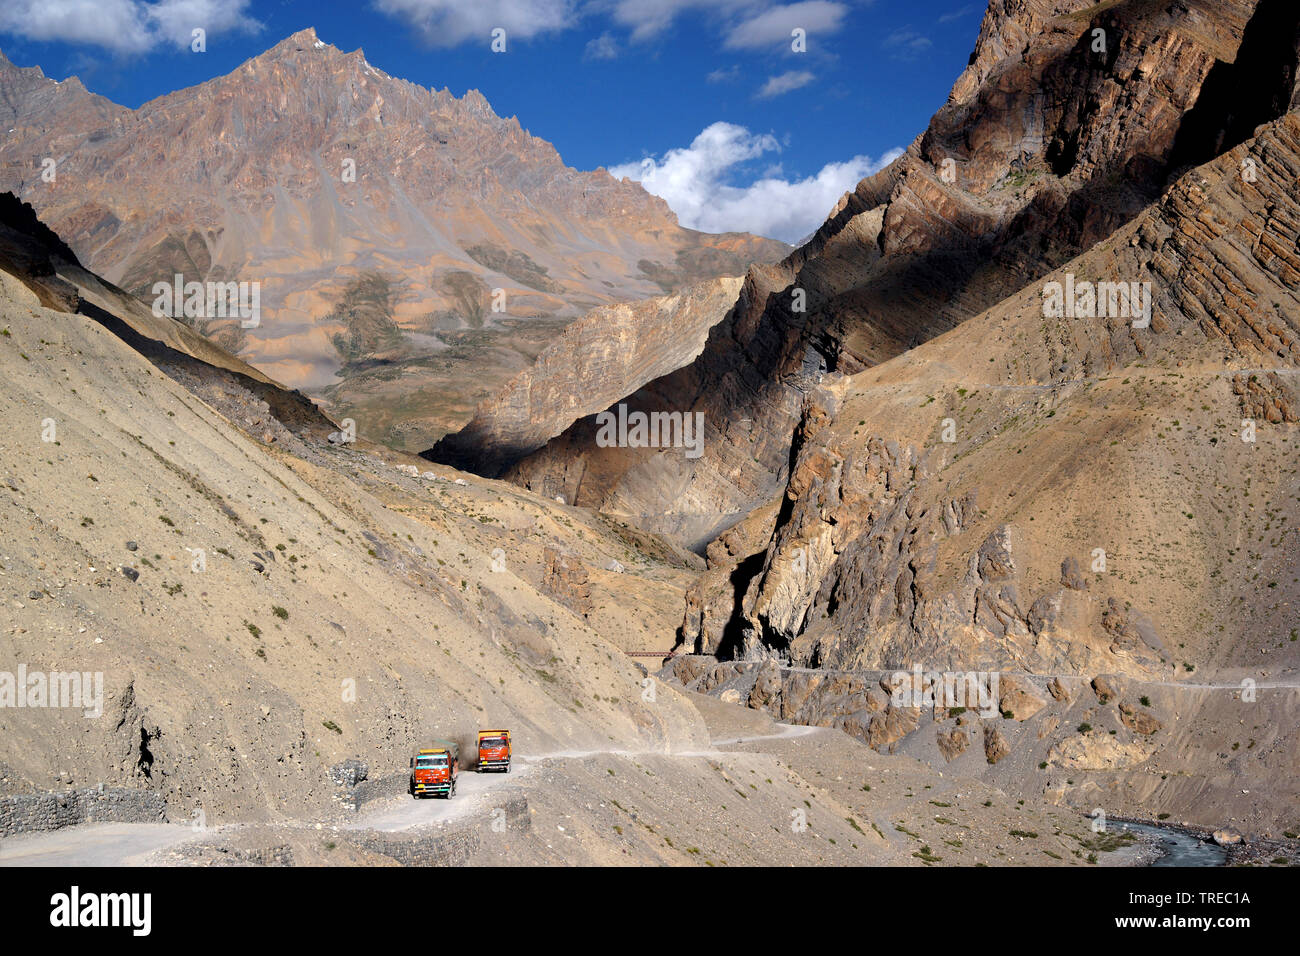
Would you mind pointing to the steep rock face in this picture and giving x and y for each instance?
(1059, 495)
(565, 579)
(595, 361)
(665, 491)
(33, 101)
(1050, 141)
(374, 213)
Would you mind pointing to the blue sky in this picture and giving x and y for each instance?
(741, 131)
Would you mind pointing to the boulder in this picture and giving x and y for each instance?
(1138, 720)
(1072, 575)
(1019, 698)
(953, 743)
(767, 688)
(1226, 837)
(1104, 690)
(995, 743)
(565, 579)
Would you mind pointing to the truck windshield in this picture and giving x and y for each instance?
(492, 742)
(426, 763)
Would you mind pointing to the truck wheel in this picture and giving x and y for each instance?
(507, 766)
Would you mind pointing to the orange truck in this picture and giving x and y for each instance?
(494, 750)
(434, 770)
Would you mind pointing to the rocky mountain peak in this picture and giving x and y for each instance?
(1005, 36)
(11, 72)
(331, 183)
(301, 41)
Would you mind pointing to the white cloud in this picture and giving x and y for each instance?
(649, 18)
(772, 27)
(123, 26)
(744, 24)
(175, 20)
(959, 14)
(728, 75)
(907, 44)
(452, 22)
(603, 47)
(784, 83)
(693, 180)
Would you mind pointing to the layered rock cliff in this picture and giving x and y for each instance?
(1064, 498)
(921, 489)
(1097, 511)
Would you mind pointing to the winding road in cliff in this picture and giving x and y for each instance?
(132, 844)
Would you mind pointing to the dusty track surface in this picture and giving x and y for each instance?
(761, 792)
(124, 844)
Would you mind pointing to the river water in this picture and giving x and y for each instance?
(1178, 848)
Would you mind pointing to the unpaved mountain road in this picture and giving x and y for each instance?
(130, 844)
(406, 814)
(94, 844)
(787, 731)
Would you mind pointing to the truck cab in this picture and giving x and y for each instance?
(494, 750)
(434, 771)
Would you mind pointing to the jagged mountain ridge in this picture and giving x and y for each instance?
(244, 177)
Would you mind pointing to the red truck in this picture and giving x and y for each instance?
(494, 750)
(434, 770)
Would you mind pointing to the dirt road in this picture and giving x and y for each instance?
(95, 844)
(129, 844)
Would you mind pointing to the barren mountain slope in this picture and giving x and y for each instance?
(263, 605)
(379, 217)
(327, 575)
(1065, 496)
(1048, 143)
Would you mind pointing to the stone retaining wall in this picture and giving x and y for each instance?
(451, 846)
(27, 812)
(368, 790)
